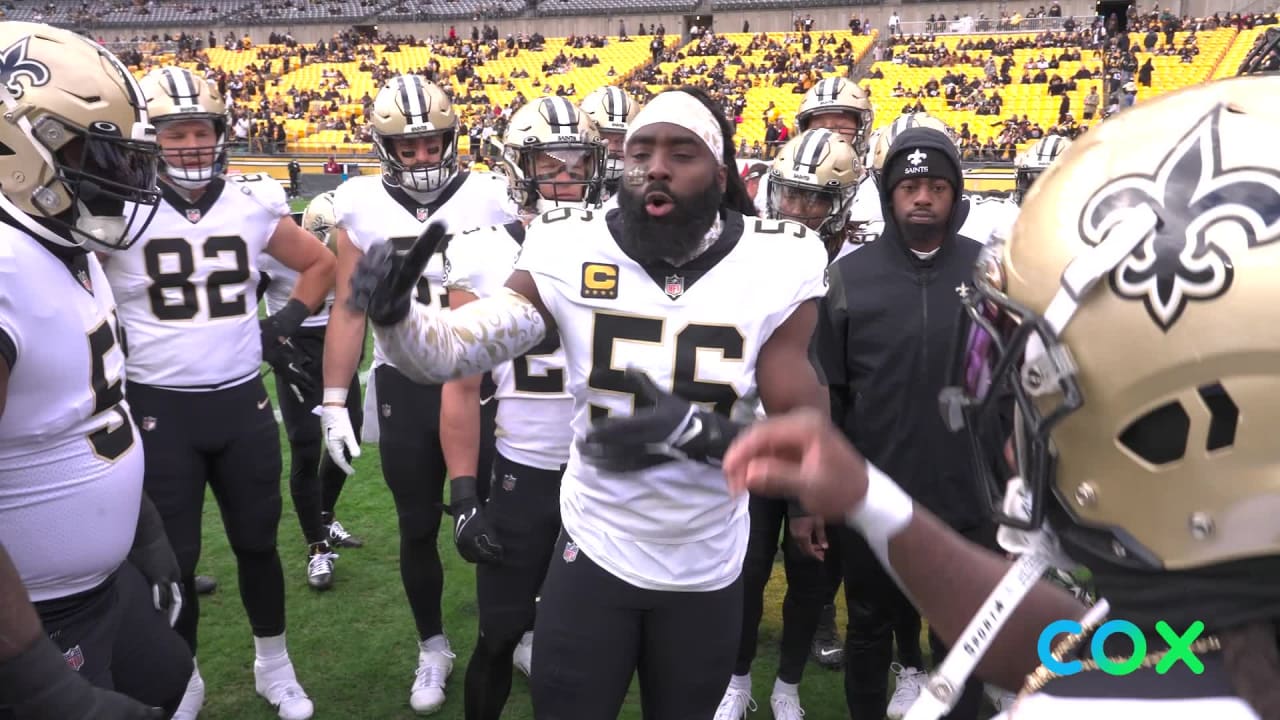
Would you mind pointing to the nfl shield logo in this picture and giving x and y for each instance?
(422, 214)
(148, 423)
(570, 552)
(74, 658)
(193, 215)
(508, 482)
(674, 286)
(386, 409)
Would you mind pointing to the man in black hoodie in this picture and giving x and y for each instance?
(884, 339)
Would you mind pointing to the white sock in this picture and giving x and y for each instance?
(270, 648)
(527, 638)
(740, 682)
(786, 688)
(435, 643)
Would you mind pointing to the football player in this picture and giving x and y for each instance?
(646, 573)
(1032, 162)
(416, 137)
(612, 109)
(189, 311)
(1128, 315)
(553, 158)
(811, 182)
(314, 480)
(80, 168)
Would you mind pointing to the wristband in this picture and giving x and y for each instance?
(334, 396)
(883, 513)
(291, 316)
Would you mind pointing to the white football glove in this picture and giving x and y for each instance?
(339, 439)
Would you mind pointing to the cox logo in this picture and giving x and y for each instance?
(1179, 647)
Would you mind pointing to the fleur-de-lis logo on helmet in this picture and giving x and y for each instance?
(15, 65)
(1190, 193)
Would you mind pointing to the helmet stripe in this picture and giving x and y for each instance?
(413, 99)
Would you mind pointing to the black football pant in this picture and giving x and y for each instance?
(808, 589)
(227, 440)
(113, 636)
(414, 468)
(876, 607)
(524, 512)
(594, 631)
(315, 482)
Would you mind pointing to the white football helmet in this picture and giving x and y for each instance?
(175, 95)
(80, 153)
(547, 139)
(410, 106)
(1033, 161)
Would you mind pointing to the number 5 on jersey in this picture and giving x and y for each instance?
(115, 437)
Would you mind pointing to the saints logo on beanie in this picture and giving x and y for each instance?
(912, 160)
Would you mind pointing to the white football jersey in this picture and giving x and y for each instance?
(696, 332)
(535, 411)
(70, 460)
(188, 289)
(372, 212)
(280, 282)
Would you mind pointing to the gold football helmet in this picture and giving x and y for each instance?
(813, 181)
(1130, 317)
(612, 109)
(887, 134)
(320, 218)
(548, 140)
(79, 151)
(410, 106)
(838, 96)
(176, 95)
(1033, 161)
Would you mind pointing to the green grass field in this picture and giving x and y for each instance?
(354, 647)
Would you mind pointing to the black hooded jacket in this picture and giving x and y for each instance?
(884, 341)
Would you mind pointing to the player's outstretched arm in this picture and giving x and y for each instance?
(430, 345)
(803, 455)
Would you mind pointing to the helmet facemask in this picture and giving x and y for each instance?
(109, 179)
(613, 158)
(1024, 178)
(423, 177)
(824, 210)
(192, 167)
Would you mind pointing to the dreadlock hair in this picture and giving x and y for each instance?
(735, 190)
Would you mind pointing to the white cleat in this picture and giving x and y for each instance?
(193, 699)
(522, 658)
(435, 663)
(785, 707)
(905, 691)
(734, 705)
(276, 682)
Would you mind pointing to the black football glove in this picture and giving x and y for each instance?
(292, 367)
(663, 428)
(383, 281)
(476, 541)
(37, 685)
(153, 556)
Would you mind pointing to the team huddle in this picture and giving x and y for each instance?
(626, 360)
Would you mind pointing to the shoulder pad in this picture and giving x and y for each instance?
(264, 189)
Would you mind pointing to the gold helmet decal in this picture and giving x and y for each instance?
(1129, 316)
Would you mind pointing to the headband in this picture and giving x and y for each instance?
(683, 109)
